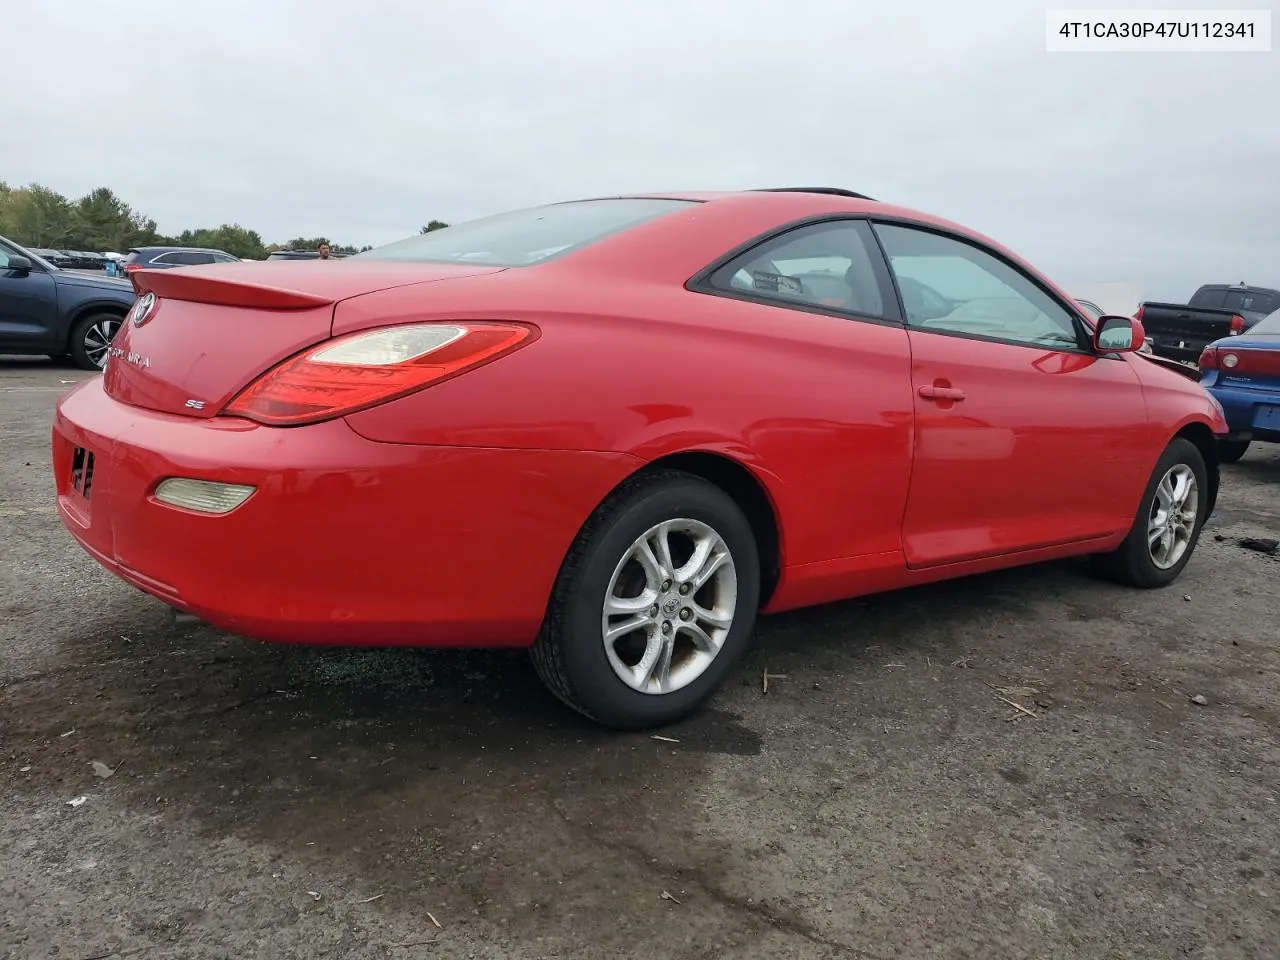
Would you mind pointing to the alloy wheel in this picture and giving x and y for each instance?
(97, 339)
(669, 606)
(1174, 512)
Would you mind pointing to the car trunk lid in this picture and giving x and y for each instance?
(210, 331)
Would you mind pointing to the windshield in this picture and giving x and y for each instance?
(529, 236)
(1268, 326)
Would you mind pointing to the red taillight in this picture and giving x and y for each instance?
(1142, 309)
(363, 369)
(1237, 325)
(1209, 359)
(130, 267)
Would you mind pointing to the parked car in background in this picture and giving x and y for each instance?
(300, 255)
(293, 255)
(62, 313)
(1182, 330)
(56, 257)
(166, 258)
(721, 403)
(84, 260)
(1243, 374)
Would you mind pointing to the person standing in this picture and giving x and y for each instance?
(324, 250)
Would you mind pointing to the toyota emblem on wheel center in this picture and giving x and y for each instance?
(143, 309)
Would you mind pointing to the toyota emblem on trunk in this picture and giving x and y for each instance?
(143, 309)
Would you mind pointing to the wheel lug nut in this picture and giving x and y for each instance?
(666, 626)
(684, 588)
(685, 614)
(666, 584)
(653, 611)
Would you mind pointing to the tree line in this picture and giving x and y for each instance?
(36, 216)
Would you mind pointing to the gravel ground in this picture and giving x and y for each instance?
(882, 800)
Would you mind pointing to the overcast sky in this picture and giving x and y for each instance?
(363, 121)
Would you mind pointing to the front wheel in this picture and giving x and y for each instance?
(1168, 524)
(1230, 451)
(653, 605)
(91, 339)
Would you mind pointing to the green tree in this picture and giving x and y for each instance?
(433, 225)
(38, 217)
(101, 221)
(230, 237)
(105, 222)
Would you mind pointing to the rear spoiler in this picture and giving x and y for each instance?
(226, 292)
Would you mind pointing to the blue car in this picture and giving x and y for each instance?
(1243, 374)
(63, 313)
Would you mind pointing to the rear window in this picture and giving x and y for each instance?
(1208, 298)
(1252, 301)
(528, 236)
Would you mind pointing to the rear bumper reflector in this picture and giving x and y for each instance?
(203, 496)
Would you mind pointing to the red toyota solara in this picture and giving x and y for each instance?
(616, 430)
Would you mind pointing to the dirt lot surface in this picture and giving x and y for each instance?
(882, 800)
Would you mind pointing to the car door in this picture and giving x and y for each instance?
(28, 303)
(1024, 438)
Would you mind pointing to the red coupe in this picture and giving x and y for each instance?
(615, 430)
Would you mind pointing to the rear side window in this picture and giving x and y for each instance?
(825, 265)
(133, 257)
(526, 237)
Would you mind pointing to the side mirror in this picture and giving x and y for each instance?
(1113, 334)
(19, 264)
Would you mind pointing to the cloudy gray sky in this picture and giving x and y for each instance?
(361, 122)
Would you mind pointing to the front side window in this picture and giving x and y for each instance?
(825, 265)
(526, 237)
(948, 285)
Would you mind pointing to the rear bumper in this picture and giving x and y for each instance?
(1244, 411)
(345, 540)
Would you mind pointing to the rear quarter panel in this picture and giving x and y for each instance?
(819, 408)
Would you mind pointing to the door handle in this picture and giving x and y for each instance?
(933, 392)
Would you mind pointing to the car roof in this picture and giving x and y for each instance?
(176, 249)
(1240, 286)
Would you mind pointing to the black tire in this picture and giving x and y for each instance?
(83, 347)
(569, 653)
(1230, 451)
(1131, 563)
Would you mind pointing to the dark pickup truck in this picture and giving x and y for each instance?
(1181, 331)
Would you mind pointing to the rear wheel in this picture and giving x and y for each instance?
(1168, 524)
(91, 339)
(1230, 451)
(653, 605)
